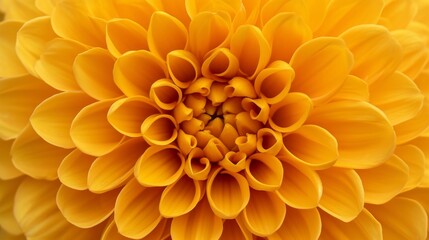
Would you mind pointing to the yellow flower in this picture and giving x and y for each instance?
(214, 119)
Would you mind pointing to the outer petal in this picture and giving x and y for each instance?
(73, 170)
(398, 14)
(8, 221)
(123, 35)
(423, 144)
(415, 159)
(20, 10)
(233, 230)
(7, 170)
(264, 171)
(365, 137)
(12, 66)
(414, 127)
(353, 88)
(111, 232)
(299, 225)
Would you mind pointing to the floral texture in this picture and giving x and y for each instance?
(214, 119)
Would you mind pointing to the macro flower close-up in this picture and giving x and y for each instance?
(214, 119)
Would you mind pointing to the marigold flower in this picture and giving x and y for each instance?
(214, 119)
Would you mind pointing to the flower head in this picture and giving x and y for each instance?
(214, 119)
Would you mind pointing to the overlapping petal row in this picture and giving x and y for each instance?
(214, 119)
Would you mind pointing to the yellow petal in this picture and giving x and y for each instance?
(220, 64)
(73, 170)
(398, 14)
(250, 62)
(20, 10)
(264, 214)
(343, 194)
(182, 113)
(376, 53)
(123, 35)
(92, 133)
(165, 34)
(299, 225)
(321, 66)
(240, 87)
(379, 190)
(415, 159)
(7, 170)
(136, 210)
(228, 193)
(31, 41)
(159, 166)
(232, 230)
(264, 172)
(414, 127)
(84, 208)
(344, 14)
(166, 94)
(35, 157)
(111, 232)
(234, 161)
(246, 144)
(258, 108)
(113, 169)
(46, 6)
(19, 96)
(178, 9)
(197, 166)
(134, 72)
(364, 135)
(269, 141)
(52, 118)
(180, 197)
(301, 187)
(286, 32)
(93, 72)
(135, 10)
(423, 144)
(127, 115)
(289, 114)
(364, 226)
(407, 219)
(159, 129)
(193, 7)
(8, 222)
(420, 195)
(310, 145)
(183, 67)
(12, 66)
(353, 88)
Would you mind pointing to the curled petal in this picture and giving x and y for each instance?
(197, 103)
(93, 72)
(197, 166)
(73, 170)
(365, 137)
(192, 126)
(321, 66)
(220, 64)
(159, 166)
(123, 35)
(234, 161)
(159, 129)
(232, 106)
(415, 159)
(264, 214)
(201, 223)
(228, 135)
(201, 85)
(273, 83)
(35, 157)
(379, 190)
(264, 172)
(215, 150)
(289, 114)
(186, 142)
(251, 62)
(90, 209)
(269, 141)
(180, 197)
(217, 94)
(127, 115)
(7, 170)
(343, 193)
(165, 94)
(183, 67)
(258, 108)
(246, 144)
(13, 66)
(301, 187)
(245, 124)
(364, 226)
(92, 133)
(228, 193)
(134, 72)
(310, 145)
(52, 118)
(19, 96)
(407, 219)
(113, 169)
(376, 53)
(299, 224)
(136, 210)
(182, 113)
(353, 88)
(240, 87)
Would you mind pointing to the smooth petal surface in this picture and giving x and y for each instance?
(123, 35)
(232, 230)
(13, 66)
(423, 144)
(183, 67)
(353, 88)
(414, 127)
(264, 172)
(111, 232)
(73, 170)
(159, 129)
(398, 14)
(415, 160)
(166, 94)
(299, 225)
(343, 193)
(8, 222)
(7, 170)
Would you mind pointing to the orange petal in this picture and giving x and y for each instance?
(299, 225)
(353, 88)
(240, 87)
(19, 96)
(166, 94)
(301, 187)
(83, 208)
(264, 171)
(197, 166)
(8, 222)
(93, 72)
(177, 9)
(13, 66)
(407, 219)
(234, 161)
(159, 129)
(220, 64)
(364, 226)
(246, 144)
(111, 232)
(7, 170)
(201, 223)
(321, 66)
(251, 62)
(135, 71)
(414, 127)
(183, 67)
(364, 135)
(264, 214)
(310, 145)
(269, 141)
(113, 169)
(35, 157)
(193, 7)
(415, 159)
(180, 197)
(137, 11)
(73, 170)
(232, 230)
(123, 35)
(343, 193)
(159, 166)
(258, 108)
(20, 10)
(136, 210)
(423, 144)
(52, 118)
(164, 27)
(92, 133)
(376, 53)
